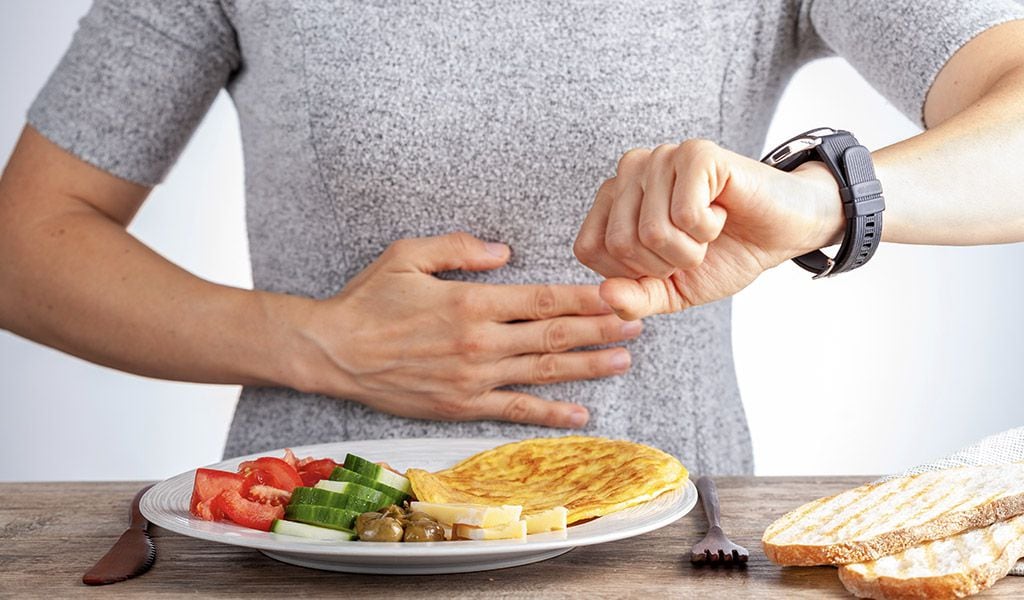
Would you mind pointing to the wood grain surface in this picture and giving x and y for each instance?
(51, 533)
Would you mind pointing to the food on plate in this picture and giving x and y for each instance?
(343, 474)
(509, 492)
(885, 518)
(255, 496)
(589, 476)
(477, 515)
(552, 519)
(381, 474)
(394, 524)
(953, 567)
(311, 532)
(516, 530)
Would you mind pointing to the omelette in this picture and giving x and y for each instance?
(589, 476)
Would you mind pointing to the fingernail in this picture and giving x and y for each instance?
(620, 361)
(578, 418)
(632, 328)
(495, 248)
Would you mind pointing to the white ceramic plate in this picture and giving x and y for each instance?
(166, 505)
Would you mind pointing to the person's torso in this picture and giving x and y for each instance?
(367, 122)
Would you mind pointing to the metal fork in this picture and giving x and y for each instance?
(716, 547)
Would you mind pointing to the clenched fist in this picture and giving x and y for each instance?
(687, 224)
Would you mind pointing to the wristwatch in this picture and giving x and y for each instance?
(861, 194)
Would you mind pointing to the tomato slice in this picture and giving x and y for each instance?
(315, 470)
(268, 470)
(209, 484)
(248, 513)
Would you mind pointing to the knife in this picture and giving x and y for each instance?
(132, 555)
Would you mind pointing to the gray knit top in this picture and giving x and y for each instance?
(367, 121)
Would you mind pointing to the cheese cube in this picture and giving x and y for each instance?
(511, 531)
(552, 519)
(476, 515)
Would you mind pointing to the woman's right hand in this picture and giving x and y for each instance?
(402, 341)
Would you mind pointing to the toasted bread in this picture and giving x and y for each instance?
(954, 567)
(879, 519)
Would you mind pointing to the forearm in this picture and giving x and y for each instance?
(960, 182)
(77, 281)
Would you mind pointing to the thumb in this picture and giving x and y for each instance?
(451, 252)
(634, 299)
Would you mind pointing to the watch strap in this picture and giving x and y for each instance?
(861, 196)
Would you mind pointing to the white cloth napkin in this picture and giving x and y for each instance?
(1001, 448)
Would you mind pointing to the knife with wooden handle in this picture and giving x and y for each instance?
(132, 555)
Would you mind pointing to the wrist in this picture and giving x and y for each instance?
(297, 359)
(829, 222)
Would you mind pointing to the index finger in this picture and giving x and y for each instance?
(538, 302)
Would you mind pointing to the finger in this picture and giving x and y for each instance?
(589, 247)
(518, 407)
(637, 298)
(504, 303)
(656, 230)
(454, 251)
(621, 237)
(564, 333)
(700, 178)
(566, 366)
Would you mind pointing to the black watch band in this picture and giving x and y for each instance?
(861, 194)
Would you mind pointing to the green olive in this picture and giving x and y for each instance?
(394, 511)
(364, 518)
(381, 529)
(424, 531)
(417, 515)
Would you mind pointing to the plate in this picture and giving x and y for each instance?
(166, 505)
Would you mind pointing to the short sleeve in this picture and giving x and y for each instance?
(135, 83)
(900, 46)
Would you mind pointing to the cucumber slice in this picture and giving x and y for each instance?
(321, 516)
(321, 497)
(377, 473)
(311, 532)
(343, 474)
(370, 497)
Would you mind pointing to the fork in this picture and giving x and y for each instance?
(716, 547)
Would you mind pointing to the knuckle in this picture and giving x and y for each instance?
(633, 160)
(698, 147)
(454, 408)
(467, 302)
(693, 258)
(685, 215)
(470, 343)
(597, 365)
(544, 302)
(586, 247)
(397, 248)
(545, 369)
(461, 241)
(664, 151)
(620, 244)
(653, 235)
(518, 408)
(556, 337)
(611, 329)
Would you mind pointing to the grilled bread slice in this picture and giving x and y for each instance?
(954, 567)
(879, 519)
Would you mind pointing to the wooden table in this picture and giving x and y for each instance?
(51, 533)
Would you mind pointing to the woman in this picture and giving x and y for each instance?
(374, 131)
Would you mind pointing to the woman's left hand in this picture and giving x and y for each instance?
(692, 223)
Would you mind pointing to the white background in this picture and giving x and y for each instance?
(867, 373)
